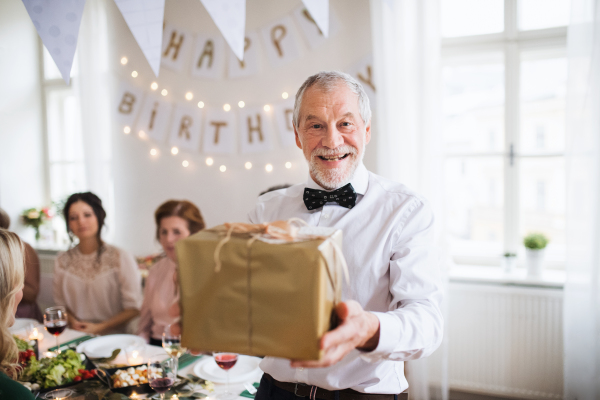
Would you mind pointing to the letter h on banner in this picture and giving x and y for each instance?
(175, 47)
(255, 130)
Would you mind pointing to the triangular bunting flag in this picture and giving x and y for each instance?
(319, 10)
(230, 18)
(57, 23)
(145, 20)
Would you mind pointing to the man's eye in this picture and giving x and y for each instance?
(316, 126)
(346, 124)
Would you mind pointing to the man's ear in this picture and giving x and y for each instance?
(298, 142)
(368, 133)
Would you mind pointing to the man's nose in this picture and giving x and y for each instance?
(333, 138)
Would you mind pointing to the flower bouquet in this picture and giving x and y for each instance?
(35, 217)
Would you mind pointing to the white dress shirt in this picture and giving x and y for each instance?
(388, 245)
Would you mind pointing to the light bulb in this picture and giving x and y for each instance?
(284, 95)
(267, 107)
(226, 107)
(241, 104)
(200, 104)
(209, 161)
(185, 163)
(222, 168)
(154, 86)
(153, 152)
(174, 150)
(127, 130)
(189, 96)
(124, 60)
(142, 134)
(288, 165)
(134, 74)
(268, 167)
(248, 165)
(164, 92)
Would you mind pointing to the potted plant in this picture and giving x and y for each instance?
(509, 261)
(535, 243)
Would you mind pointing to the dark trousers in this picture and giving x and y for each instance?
(268, 391)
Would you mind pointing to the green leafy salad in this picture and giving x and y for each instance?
(50, 372)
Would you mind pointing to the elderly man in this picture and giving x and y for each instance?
(391, 311)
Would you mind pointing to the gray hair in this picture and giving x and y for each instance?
(328, 80)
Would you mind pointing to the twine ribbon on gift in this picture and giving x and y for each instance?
(276, 231)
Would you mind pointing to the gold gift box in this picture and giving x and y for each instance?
(267, 299)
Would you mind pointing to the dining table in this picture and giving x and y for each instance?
(70, 338)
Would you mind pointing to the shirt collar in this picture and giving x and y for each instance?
(360, 180)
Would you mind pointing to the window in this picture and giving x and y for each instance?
(504, 74)
(66, 167)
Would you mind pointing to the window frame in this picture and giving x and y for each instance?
(511, 43)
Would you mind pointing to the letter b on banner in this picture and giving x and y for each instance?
(129, 104)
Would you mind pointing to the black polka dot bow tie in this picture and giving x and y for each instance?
(344, 196)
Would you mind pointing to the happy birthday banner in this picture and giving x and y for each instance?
(212, 129)
(57, 23)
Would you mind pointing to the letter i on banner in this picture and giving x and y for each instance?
(283, 113)
(154, 118)
(219, 131)
(129, 106)
(364, 73)
(255, 130)
(185, 128)
(209, 57)
(176, 45)
(251, 64)
(281, 41)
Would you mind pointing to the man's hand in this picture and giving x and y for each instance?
(359, 330)
(90, 327)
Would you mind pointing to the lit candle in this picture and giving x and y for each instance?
(36, 335)
(49, 354)
(134, 396)
(135, 358)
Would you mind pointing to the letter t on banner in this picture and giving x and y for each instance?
(57, 23)
(319, 10)
(145, 20)
(230, 18)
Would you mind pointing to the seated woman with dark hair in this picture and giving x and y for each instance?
(11, 292)
(175, 220)
(99, 284)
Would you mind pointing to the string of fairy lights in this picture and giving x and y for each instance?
(189, 96)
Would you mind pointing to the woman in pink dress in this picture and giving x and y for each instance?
(175, 220)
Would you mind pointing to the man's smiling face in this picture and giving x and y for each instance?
(331, 134)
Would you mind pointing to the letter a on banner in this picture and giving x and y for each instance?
(319, 10)
(145, 21)
(57, 23)
(230, 18)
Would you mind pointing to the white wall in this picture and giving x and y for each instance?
(21, 148)
(142, 183)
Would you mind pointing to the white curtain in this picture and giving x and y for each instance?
(582, 289)
(94, 84)
(406, 130)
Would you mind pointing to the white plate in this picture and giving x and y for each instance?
(244, 369)
(103, 346)
(21, 324)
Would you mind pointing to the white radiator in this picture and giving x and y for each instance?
(505, 341)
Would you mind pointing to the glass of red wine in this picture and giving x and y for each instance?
(55, 322)
(226, 361)
(161, 374)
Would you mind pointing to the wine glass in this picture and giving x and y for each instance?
(226, 361)
(55, 322)
(172, 345)
(161, 374)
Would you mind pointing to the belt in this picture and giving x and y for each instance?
(314, 392)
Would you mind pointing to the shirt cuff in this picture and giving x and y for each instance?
(389, 328)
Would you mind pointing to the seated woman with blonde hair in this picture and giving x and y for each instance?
(175, 220)
(99, 284)
(12, 272)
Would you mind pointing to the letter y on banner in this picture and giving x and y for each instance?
(145, 20)
(230, 18)
(57, 23)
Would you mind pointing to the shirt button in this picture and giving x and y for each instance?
(326, 216)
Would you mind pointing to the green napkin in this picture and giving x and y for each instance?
(246, 393)
(187, 359)
(71, 343)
